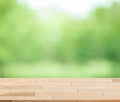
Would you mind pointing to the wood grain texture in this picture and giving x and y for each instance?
(116, 79)
(67, 101)
(49, 89)
(5, 101)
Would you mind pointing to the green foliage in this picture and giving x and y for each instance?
(56, 36)
(19, 29)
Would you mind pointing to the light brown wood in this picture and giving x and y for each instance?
(116, 79)
(61, 89)
(63, 101)
(68, 101)
(5, 101)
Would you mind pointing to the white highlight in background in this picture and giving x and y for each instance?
(76, 7)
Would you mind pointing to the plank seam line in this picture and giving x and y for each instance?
(41, 86)
(53, 97)
(78, 90)
(103, 94)
(71, 83)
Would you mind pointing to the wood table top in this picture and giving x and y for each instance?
(60, 89)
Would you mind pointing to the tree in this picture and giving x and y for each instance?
(20, 30)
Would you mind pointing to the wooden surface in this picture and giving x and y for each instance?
(63, 101)
(46, 89)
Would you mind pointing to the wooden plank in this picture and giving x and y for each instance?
(43, 101)
(116, 80)
(70, 101)
(17, 94)
(4, 101)
(52, 89)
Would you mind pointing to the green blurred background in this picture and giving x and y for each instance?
(53, 43)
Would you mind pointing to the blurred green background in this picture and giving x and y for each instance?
(57, 44)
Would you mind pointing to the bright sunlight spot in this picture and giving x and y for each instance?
(76, 7)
